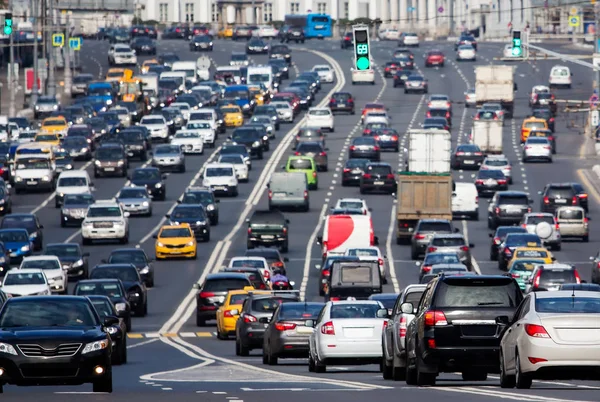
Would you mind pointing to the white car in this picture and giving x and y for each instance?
(438, 101)
(466, 52)
(353, 203)
(373, 254)
(498, 162)
(410, 39)
(357, 339)
(537, 148)
(379, 117)
(221, 178)
(184, 108)
(190, 141)
(72, 182)
(545, 225)
(105, 220)
(320, 117)
(33, 174)
(560, 76)
(470, 98)
(538, 89)
(25, 282)
(56, 276)
(241, 169)
(253, 262)
(389, 34)
(124, 115)
(551, 331)
(120, 55)
(285, 112)
(326, 73)
(205, 128)
(157, 126)
(265, 31)
(507, 52)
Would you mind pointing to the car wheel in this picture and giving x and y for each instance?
(244, 350)
(311, 363)
(506, 381)
(522, 380)
(387, 368)
(398, 372)
(424, 378)
(319, 367)
(411, 374)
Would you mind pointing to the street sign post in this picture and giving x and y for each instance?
(595, 118)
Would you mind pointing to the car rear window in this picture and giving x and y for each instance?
(569, 305)
(571, 214)
(448, 242)
(268, 305)
(309, 148)
(300, 164)
(238, 299)
(477, 293)
(503, 232)
(354, 311)
(556, 277)
(379, 169)
(531, 254)
(438, 112)
(513, 200)
(534, 220)
(355, 275)
(560, 192)
(530, 240)
(225, 285)
(435, 227)
(496, 162)
(305, 311)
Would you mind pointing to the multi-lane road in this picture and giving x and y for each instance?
(169, 355)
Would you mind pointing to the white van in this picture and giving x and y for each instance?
(188, 67)
(465, 200)
(72, 182)
(560, 76)
(180, 76)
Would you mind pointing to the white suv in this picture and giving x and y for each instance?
(105, 220)
(120, 55)
(221, 178)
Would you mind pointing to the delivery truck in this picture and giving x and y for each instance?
(487, 135)
(495, 84)
(429, 151)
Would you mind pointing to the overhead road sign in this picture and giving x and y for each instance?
(58, 40)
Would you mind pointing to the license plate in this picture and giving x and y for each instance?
(110, 169)
(268, 237)
(469, 162)
(560, 201)
(220, 188)
(513, 211)
(378, 183)
(280, 194)
(341, 104)
(32, 183)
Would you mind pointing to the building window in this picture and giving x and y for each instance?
(499, 11)
(189, 12)
(268, 12)
(294, 8)
(346, 10)
(163, 12)
(322, 8)
(214, 12)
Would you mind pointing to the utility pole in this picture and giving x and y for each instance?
(11, 73)
(67, 55)
(51, 53)
(37, 28)
(597, 44)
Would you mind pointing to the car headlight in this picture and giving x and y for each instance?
(159, 244)
(33, 235)
(265, 138)
(158, 185)
(25, 248)
(145, 203)
(84, 149)
(95, 346)
(274, 118)
(18, 178)
(46, 178)
(121, 306)
(37, 107)
(190, 243)
(200, 223)
(51, 281)
(210, 43)
(78, 263)
(8, 349)
(120, 163)
(246, 106)
(210, 207)
(120, 223)
(69, 167)
(112, 330)
(97, 163)
(256, 144)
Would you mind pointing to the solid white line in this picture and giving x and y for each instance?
(309, 246)
(466, 235)
(388, 247)
(135, 345)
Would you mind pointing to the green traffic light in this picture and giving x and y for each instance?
(7, 30)
(517, 51)
(363, 63)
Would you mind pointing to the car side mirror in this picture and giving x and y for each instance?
(155, 236)
(196, 286)
(382, 313)
(456, 230)
(247, 220)
(491, 235)
(110, 321)
(126, 214)
(376, 241)
(471, 245)
(418, 263)
(319, 239)
(553, 258)
(168, 216)
(285, 259)
(503, 320)
(85, 254)
(309, 323)
(268, 185)
(407, 308)
(164, 177)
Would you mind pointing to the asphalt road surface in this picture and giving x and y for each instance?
(169, 355)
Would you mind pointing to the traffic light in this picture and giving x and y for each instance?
(362, 48)
(8, 24)
(517, 48)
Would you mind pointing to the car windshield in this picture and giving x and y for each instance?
(470, 294)
(198, 126)
(152, 121)
(198, 198)
(72, 182)
(41, 264)
(490, 174)
(233, 159)
(104, 212)
(133, 193)
(219, 172)
(350, 204)
(168, 233)
(268, 305)
(439, 258)
(225, 284)
(527, 253)
(519, 239)
(63, 251)
(103, 289)
(496, 162)
(354, 310)
(537, 219)
(448, 241)
(48, 313)
(526, 265)
(129, 256)
(300, 164)
(16, 279)
(320, 112)
(78, 199)
(188, 211)
(514, 200)
(23, 221)
(126, 274)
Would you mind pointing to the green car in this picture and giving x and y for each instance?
(304, 164)
(521, 270)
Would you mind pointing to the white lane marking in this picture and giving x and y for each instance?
(186, 308)
(489, 392)
(388, 247)
(466, 235)
(137, 345)
(309, 246)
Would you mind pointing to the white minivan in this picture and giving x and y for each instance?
(465, 200)
(188, 67)
(560, 76)
(72, 182)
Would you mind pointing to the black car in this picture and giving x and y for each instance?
(546, 114)
(390, 69)
(282, 65)
(77, 147)
(268, 228)
(467, 156)
(342, 102)
(111, 288)
(4, 260)
(110, 159)
(498, 238)
(74, 208)
(546, 100)
(195, 215)
(508, 207)
(387, 138)
(29, 222)
(281, 52)
(250, 138)
(205, 197)
(555, 195)
(378, 177)
(295, 34)
(201, 43)
(137, 294)
(511, 242)
(347, 40)
(152, 179)
(488, 182)
(71, 257)
(143, 45)
(467, 348)
(137, 257)
(5, 201)
(353, 171)
(400, 76)
(135, 144)
(212, 292)
(257, 46)
(118, 332)
(440, 112)
(365, 147)
(229, 149)
(582, 195)
(76, 342)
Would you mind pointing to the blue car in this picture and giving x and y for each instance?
(17, 244)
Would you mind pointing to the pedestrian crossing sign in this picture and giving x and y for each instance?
(75, 43)
(58, 39)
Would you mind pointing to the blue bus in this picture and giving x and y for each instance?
(314, 25)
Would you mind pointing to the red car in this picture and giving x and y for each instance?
(390, 69)
(434, 58)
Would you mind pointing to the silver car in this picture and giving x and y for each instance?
(135, 200)
(498, 162)
(452, 243)
(573, 222)
(168, 157)
(544, 225)
(424, 232)
(267, 122)
(438, 269)
(470, 98)
(45, 106)
(537, 148)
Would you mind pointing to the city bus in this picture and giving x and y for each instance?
(314, 25)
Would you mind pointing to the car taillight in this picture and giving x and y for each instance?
(507, 252)
(536, 281)
(574, 200)
(352, 148)
(394, 138)
(305, 194)
(478, 181)
(584, 196)
(428, 114)
(227, 313)
(426, 268)
(515, 275)
(367, 176)
(495, 117)
(346, 170)
(323, 154)
(285, 326)
(546, 200)
(577, 277)
(314, 174)
(431, 249)
(478, 153)
(435, 318)
(476, 117)
(331, 100)
(380, 261)
(428, 105)
(390, 176)
(278, 264)
(385, 324)
(419, 236)
(387, 69)
(249, 230)
(447, 115)
(402, 327)
(464, 248)
(524, 226)
(551, 120)
(375, 148)
(501, 181)
(249, 318)
(284, 230)
(350, 100)
(327, 328)
(366, 131)
(270, 194)
(204, 295)
(376, 138)
(536, 331)
(460, 153)
(548, 147)
(297, 153)
(325, 273)
(497, 210)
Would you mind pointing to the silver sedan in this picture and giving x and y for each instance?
(537, 148)
(168, 157)
(135, 200)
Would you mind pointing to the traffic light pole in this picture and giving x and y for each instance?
(11, 72)
(51, 53)
(67, 56)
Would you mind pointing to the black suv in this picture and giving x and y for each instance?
(251, 139)
(295, 34)
(347, 40)
(557, 195)
(268, 228)
(152, 179)
(110, 160)
(342, 102)
(213, 291)
(205, 197)
(508, 208)
(455, 327)
(281, 52)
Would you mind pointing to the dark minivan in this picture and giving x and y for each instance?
(211, 294)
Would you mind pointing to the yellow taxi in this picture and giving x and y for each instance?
(225, 33)
(175, 241)
(528, 253)
(49, 138)
(54, 125)
(147, 63)
(229, 312)
(258, 93)
(532, 123)
(232, 115)
(115, 74)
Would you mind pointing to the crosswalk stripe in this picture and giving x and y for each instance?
(136, 335)
(204, 334)
(187, 335)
